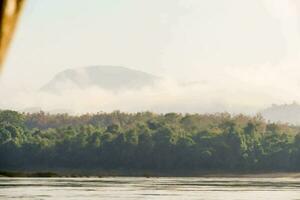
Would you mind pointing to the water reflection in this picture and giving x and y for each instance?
(150, 188)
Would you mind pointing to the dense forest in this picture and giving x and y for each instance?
(147, 141)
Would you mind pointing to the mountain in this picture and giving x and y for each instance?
(112, 78)
(287, 113)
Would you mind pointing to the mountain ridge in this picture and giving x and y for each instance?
(107, 77)
(287, 113)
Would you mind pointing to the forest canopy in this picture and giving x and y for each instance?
(146, 141)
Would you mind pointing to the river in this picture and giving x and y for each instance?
(125, 188)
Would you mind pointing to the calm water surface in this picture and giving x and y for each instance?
(150, 188)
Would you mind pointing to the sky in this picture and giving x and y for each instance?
(242, 55)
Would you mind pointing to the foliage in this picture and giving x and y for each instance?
(147, 141)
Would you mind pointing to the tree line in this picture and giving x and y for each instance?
(147, 141)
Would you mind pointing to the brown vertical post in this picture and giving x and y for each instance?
(9, 14)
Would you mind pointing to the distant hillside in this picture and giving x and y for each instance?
(289, 113)
(112, 78)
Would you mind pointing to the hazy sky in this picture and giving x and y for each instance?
(245, 50)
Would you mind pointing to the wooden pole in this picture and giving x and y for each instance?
(9, 14)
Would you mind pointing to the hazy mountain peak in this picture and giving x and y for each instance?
(288, 113)
(112, 78)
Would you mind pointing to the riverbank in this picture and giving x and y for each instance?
(128, 173)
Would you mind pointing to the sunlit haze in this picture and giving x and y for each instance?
(210, 56)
